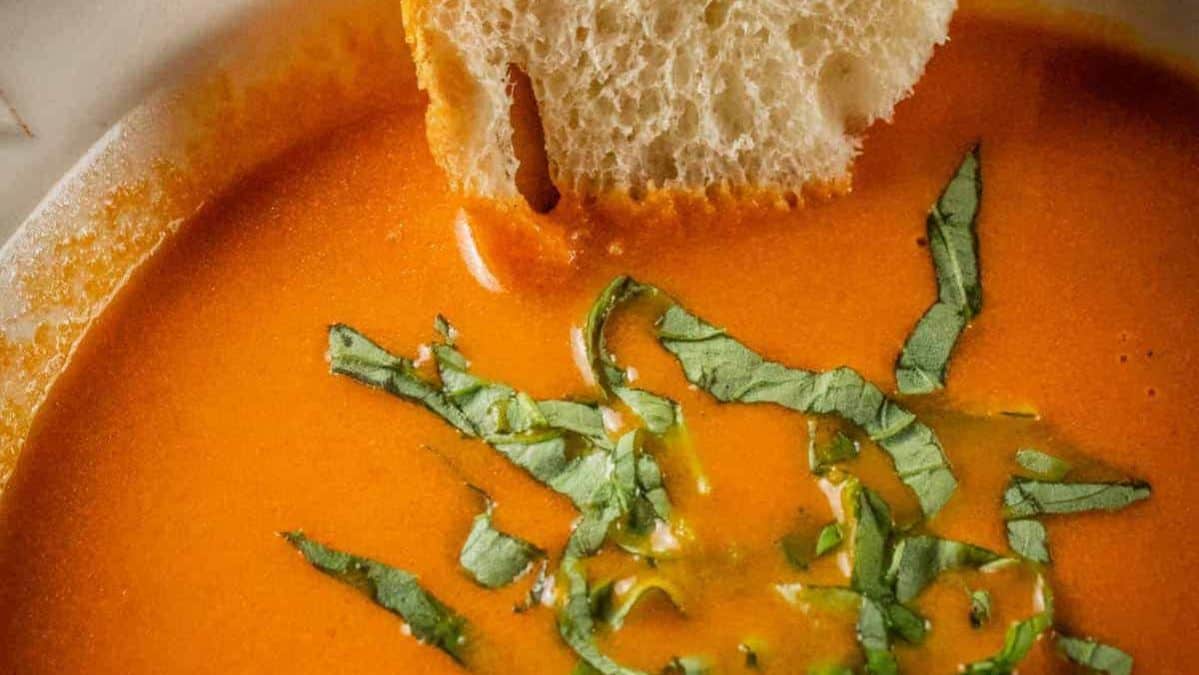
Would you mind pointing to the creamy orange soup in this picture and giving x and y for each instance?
(199, 418)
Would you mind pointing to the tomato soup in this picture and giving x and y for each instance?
(199, 418)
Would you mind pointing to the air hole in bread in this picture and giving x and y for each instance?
(845, 89)
(661, 159)
(801, 33)
(533, 179)
(607, 20)
(668, 23)
(715, 13)
(734, 115)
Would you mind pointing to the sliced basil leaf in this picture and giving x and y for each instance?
(448, 333)
(618, 291)
(534, 598)
(658, 413)
(830, 669)
(1095, 655)
(1024, 497)
(917, 561)
(493, 408)
(616, 490)
(637, 485)
(980, 608)
(823, 453)
(830, 537)
(924, 362)
(537, 436)
(820, 598)
(637, 482)
(576, 625)
(1017, 642)
(493, 558)
(395, 590)
(688, 665)
(649, 483)
(591, 529)
(1041, 465)
(922, 365)
(896, 619)
(584, 419)
(730, 371)
(871, 549)
(1028, 538)
(874, 636)
(871, 538)
(352, 354)
(629, 599)
(532, 435)
(799, 545)
(952, 236)
(872, 534)
(601, 598)
(906, 623)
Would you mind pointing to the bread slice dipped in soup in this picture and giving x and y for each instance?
(665, 338)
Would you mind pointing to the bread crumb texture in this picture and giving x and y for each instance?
(636, 95)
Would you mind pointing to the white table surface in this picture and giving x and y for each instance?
(72, 68)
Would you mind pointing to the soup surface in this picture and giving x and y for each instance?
(199, 417)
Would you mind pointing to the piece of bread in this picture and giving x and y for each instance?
(635, 95)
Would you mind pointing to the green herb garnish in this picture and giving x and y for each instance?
(874, 636)
(823, 598)
(397, 591)
(730, 371)
(1041, 465)
(1095, 655)
(830, 537)
(543, 581)
(953, 242)
(1024, 497)
(629, 599)
(1018, 640)
(576, 624)
(806, 543)
(658, 412)
(872, 550)
(824, 452)
(871, 545)
(918, 561)
(906, 623)
(493, 558)
(618, 486)
(352, 354)
(1028, 538)
(541, 437)
(980, 608)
